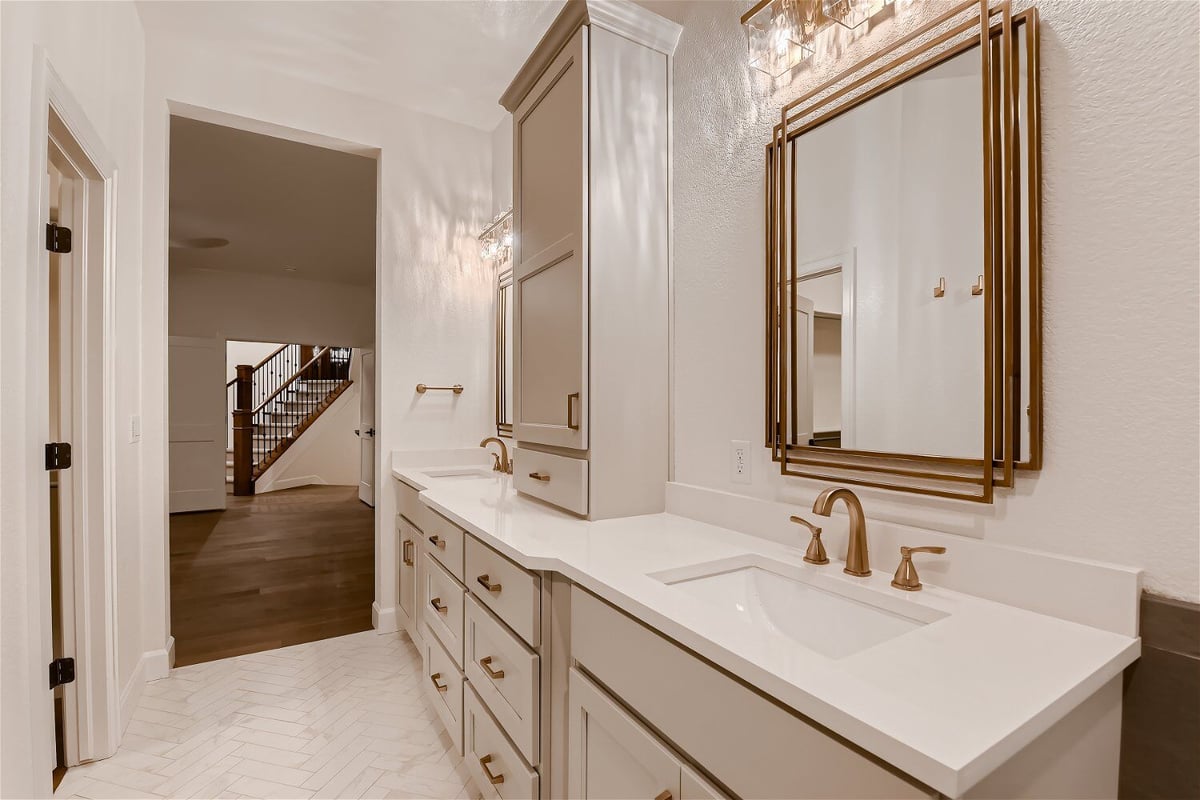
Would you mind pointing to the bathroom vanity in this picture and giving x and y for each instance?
(590, 629)
(665, 654)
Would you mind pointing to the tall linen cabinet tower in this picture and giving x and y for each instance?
(591, 209)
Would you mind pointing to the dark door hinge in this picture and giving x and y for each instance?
(58, 238)
(62, 670)
(58, 455)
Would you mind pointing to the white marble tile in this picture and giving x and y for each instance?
(339, 718)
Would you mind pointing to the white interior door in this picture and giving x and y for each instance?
(802, 386)
(196, 427)
(366, 431)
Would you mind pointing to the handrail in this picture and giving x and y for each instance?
(231, 382)
(278, 350)
(316, 357)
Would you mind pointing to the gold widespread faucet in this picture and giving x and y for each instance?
(501, 463)
(857, 562)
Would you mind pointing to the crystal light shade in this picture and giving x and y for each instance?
(495, 243)
(852, 13)
(775, 36)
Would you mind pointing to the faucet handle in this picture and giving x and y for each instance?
(496, 462)
(906, 576)
(816, 551)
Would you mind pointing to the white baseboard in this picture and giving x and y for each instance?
(131, 694)
(290, 483)
(383, 620)
(157, 663)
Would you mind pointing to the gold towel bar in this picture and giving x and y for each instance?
(456, 388)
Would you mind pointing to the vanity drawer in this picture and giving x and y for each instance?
(506, 675)
(444, 541)
(443, 685)
(513, 593)
(560, 480)
(442, 607)
(411, 507)
(495, 765)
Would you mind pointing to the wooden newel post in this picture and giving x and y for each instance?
(243, 432)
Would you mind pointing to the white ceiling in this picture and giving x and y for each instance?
(279, 204)
(449, 58)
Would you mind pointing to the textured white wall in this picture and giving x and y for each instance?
(1121, 144)
(96, 48)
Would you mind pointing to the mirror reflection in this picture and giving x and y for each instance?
(504, 354)
(885, 291)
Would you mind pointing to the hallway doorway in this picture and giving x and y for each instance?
(271, 306)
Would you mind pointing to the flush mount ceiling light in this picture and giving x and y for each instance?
(495, 243)
(780, 34)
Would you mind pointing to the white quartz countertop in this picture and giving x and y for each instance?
(946, 702)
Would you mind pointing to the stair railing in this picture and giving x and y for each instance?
(266, 417)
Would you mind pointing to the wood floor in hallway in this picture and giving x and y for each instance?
(271, 570)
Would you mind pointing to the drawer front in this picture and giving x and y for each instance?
(495, 765)
(444, 541)
(443, 685)
(442, 608)
(511, 592)
(411, 507)
(559, 480)
(506, 675)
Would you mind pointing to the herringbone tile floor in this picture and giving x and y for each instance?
(341, 717)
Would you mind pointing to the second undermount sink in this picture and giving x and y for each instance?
(462, 473)
(818, 612)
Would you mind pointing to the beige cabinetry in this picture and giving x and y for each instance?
(613, 756)
(725, 726)
(591, 142)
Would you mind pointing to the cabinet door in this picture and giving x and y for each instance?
(408, 566)
(550, 272)
(611, 755)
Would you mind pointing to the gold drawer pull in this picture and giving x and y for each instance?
(408, 550)
(483, 581)
(570, 419)
(494, 674)
(441, 687)
(438, 541)
(495, 779)
(438, 605)
(665, 794)
(537, 476)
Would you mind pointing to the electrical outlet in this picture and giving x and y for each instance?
(135, 428)
(739, 461)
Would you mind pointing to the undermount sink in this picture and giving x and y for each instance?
(462, 473)
(816, 611)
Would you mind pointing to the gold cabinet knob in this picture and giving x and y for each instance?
(435, 678)
(484, 581)
(494, 674)
(537, 476)
(906, 576)
(438, 542)
(438, 605)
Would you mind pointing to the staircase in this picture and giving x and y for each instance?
(275, 401)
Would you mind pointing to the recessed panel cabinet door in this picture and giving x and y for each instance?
(612, 757)
(550, 254)
(408, 566)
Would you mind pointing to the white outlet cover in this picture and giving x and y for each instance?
(739, 461)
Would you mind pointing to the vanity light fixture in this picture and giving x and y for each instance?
(781, 34)
(496, 241)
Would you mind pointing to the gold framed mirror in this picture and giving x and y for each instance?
(504, 354)
(903, 276)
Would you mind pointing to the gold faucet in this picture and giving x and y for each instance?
(857, 562)
(501, 462)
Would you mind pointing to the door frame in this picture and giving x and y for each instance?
(95, 696)
(844, 262)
